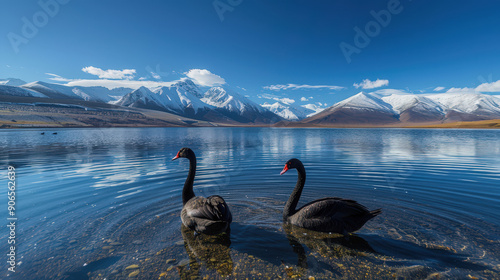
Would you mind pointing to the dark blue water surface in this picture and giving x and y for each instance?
(105, 203)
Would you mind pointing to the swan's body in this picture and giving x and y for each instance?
(209, 215)
(331, 214)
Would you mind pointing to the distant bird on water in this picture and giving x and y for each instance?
(330, 214)
(209, 215)
(43, 133)
(54, 133)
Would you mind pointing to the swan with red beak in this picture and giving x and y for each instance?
(209, 215)
(330, 214)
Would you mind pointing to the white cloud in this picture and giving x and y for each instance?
(489, 87)
(155, 75)
(123, 78)
(58, 78)
(461, 90)
(204, 77)
(367, 84)
(304, 99)
(484, 87)
(315, 107)
(111, 84)
(295, 86)
(390, 91)
(284, 100)
(110, 74)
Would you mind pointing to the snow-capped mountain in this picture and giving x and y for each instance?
(141, 98)
(19, 91)
(415, 108)
(468, 103)
(365, 101)
(357, 109)
(98, 94)
(218, 104)
(189, 87)
(289, 112)
(12, 82)
(315, 108)
(52, 90)
(223, 105)
(178, 98)
(182, 97)
(227, 99)
(375, 109)
(238, 107)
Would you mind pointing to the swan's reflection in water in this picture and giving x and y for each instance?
(209, 250)
(317, 251)
(333, 246)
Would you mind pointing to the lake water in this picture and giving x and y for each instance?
(93, 203)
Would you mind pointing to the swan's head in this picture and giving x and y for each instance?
(291, 164)
(184, 153)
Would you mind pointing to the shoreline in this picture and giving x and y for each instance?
(486, 124)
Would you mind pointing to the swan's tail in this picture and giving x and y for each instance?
(376, 212)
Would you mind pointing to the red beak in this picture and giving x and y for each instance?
(176, 157)
(285, 169)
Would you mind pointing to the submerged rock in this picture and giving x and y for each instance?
(134, 274)
(134, 266)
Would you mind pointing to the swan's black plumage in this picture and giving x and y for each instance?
(209, 215)
(330, 214)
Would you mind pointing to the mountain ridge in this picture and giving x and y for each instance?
(373, 109)
(221, 104)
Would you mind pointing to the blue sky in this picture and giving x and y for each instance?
(282, 49)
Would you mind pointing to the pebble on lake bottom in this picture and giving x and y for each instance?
(134, 273)
(134, 266)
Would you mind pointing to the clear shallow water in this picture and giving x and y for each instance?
(92, 202)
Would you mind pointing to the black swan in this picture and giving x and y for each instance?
(209, 215)
(330, 214)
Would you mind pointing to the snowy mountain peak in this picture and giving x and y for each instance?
(402, 102)
(288, 112)
(467, 102)
(143, 90)
(180, 96)
(12, 82)
(365, 101)
(224, 98)
(19, 91)
(35, 83)
(188, 86)
(52, 90)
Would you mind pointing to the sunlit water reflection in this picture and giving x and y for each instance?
(105, 203)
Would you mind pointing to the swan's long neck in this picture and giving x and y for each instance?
(292, 202)
(187, 192)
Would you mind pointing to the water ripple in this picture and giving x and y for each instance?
(438, 189)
